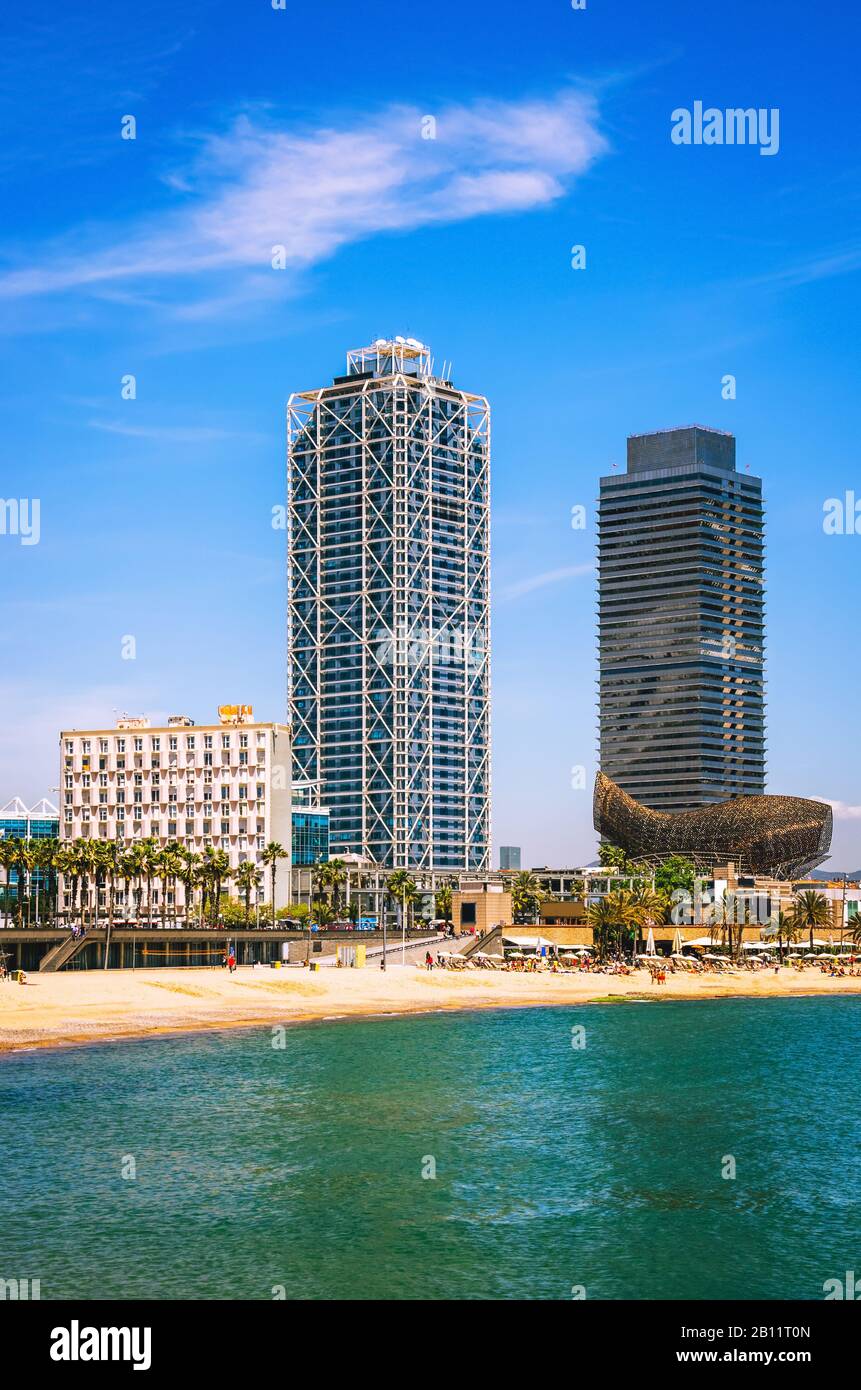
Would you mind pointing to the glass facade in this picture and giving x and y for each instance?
(310, 838)
(23, 826)
(389, 476)
(681, 625)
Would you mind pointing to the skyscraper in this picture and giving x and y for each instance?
(681, 631)
(509, 856)
(389, 591)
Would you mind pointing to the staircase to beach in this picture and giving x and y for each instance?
(62, 953)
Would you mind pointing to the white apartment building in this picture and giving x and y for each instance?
(225, 786)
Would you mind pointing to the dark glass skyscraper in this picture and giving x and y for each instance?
(389, 636)
(681, 634)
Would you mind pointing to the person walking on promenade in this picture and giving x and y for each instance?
(231, 963)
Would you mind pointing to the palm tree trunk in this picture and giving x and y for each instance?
(110, 918)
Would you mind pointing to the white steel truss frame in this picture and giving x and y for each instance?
(400, 437)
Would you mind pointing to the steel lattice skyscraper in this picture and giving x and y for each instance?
(389, 601)
(681, 622)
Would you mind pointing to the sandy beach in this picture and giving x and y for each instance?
(96, 1006)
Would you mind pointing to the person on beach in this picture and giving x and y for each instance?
(231, 963)
(428, 960)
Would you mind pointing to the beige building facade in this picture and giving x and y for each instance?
(225, 786)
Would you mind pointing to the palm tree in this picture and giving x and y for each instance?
(651, 906)
(25, 861)
(49, 851)
(631, 912)
(190, 873)
(442, 903)
(402, 888)
(151, 853)
(106, 854)
(811, 909)
(604, 923)
(134, 862)
(7, 860)
(335, 872)
(788, 930)
(526, 896)
(246, 877)
(66, 867)
(270, 856)
(322, 914)
(99, 856)
(22, 863)
(216, 868)
(91, 864)
(170, 866)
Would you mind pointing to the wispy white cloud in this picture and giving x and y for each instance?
(179, 434)
(821, 267)
(841, 810)
(542, 581)
(258, 186)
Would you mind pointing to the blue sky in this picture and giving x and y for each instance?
(258, 127)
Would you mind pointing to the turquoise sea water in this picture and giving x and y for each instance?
(258, 1167)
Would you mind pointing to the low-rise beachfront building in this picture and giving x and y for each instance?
(310, 827)
(480, 910)
(18, 821)
(221, 786)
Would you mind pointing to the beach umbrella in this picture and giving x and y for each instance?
(650, 943)
(677, 941)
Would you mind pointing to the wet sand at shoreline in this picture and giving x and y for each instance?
(101, 1006)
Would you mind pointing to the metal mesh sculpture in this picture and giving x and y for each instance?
(776, 836)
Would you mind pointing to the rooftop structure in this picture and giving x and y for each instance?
(782, 837)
